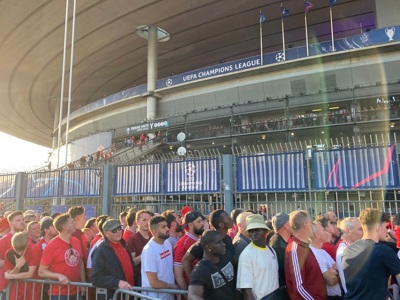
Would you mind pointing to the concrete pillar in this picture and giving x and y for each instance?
(152, 66)
(19, 190)
(228, 182)
(106, 194)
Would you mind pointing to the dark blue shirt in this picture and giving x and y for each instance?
(367, 266)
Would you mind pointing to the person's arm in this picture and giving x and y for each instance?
(196, 292)
(247, 294)
(155, 283)
(179, 277)
(14, 274)
(44, 272)
(187, 262)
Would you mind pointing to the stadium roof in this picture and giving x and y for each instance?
(109, 56)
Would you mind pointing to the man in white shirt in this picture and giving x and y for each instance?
(325, 261)
(258, 265)
(157, 260)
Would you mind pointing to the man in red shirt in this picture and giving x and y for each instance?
(193, 222)
(33, 231)
(62, 260)
(304, 279)
(78, 214)
(112, 265)
(137, 241)
(17, 224)
(48, 232)
(132, 227)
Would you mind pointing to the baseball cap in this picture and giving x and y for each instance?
(4, 224)
(185, 210)
(255, 222)
(279, 220)
(111, 224)
(191, 216)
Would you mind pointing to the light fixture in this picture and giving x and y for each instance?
(391, 125)
(223, 146)
(292, 133)
(213, 143)
(322, 132)
(263, 136)
(171, 147)
(334, 107)
(317, 109)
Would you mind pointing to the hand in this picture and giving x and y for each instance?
(19, 262)
(334, 266)
(83, 290)
(63, 279)
(124, 285)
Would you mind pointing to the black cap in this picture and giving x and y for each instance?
(191, 216)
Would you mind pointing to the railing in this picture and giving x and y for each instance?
(33, 289)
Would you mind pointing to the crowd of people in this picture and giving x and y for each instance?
(221, 256)
(380, 111)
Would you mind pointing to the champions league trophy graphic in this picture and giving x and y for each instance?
(390, 33)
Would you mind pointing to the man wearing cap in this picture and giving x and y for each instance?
(258, 266)
(112, 264)
(278, 241)
(193, 222)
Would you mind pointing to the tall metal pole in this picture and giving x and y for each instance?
(283, 35)
(305, 24)
(261, 41)
(62, 83)
(71, 62)
(333, 41)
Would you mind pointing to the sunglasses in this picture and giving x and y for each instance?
(116, 229)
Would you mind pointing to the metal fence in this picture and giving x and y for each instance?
(33, 289)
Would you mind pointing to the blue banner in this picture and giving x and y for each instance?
(355, 168)
(192, 176)
(7, 186)
(42, 185)
(271, 172)
(81, 183)
(141, 179)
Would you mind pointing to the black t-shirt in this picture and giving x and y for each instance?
(367, 266)
(277, 243)
(208, 275)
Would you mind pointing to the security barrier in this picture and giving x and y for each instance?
(33, 289)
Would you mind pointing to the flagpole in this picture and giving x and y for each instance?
(333, 41)
(283, 35)
(305, 23)
(261, 41)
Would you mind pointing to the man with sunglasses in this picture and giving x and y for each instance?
(112, 264)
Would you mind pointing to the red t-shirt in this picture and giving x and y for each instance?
(127, 234)
(123, 257)
(81, 237)
(95, 240)
(32, 259)
(182, 247)
(397, 234)
(5, 244)
(64, 258)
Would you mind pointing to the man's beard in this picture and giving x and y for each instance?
(163, 236)
(199, 231)
(179, 228)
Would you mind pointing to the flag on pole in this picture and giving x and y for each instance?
(284, 12)
(307, 6)
(332, 2)
(262, 18)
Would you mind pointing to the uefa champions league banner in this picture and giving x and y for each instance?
(355, 168)
(271, 172)
(192, 176)
(366, 39)
(143, 179)
(42, 184)
(7, 186)
(81, 183)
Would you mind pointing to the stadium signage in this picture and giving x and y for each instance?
(162, 124)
